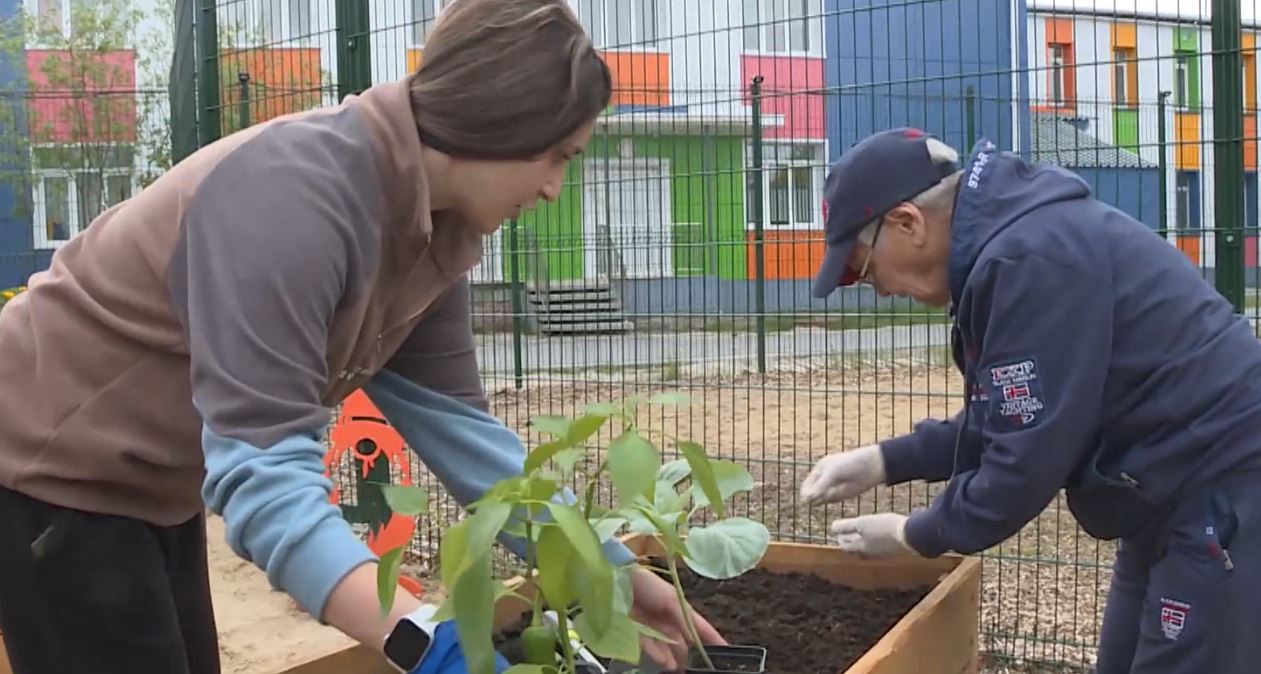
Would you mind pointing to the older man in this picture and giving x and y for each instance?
(1095, 360)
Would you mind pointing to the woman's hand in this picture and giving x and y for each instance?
(657, 605)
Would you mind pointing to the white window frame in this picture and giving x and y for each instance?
(32, 10)
(77, 221)
(1058, 86)
(1182, 80)
(417, 28)
(1124, 67)
(777, 155)
(764, 18)
(599, 20)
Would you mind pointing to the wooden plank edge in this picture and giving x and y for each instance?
(885, 655)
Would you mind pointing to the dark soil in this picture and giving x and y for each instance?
(807, 625)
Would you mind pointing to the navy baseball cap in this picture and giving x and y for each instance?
(878, 173)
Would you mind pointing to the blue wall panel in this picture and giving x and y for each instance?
(892, 63)
(16, 258)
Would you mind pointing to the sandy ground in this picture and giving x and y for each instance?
(1043, 589)
(260, 630)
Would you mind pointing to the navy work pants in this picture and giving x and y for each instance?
(1186, 596)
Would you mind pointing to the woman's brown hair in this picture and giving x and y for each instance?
(506, 79)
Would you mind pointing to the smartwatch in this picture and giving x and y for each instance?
(409, 641)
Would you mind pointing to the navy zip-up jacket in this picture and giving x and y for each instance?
(1097, 360)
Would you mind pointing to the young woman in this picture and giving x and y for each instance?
(184, 351)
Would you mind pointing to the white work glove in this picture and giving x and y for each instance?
(881, 535)
(844, 474)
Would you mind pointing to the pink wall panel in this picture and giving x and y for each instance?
(85, 97)
(791, 87)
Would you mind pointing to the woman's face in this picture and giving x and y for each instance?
(488, 192)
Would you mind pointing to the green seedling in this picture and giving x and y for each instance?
(563, 537)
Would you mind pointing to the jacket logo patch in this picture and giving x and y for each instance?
(1173, 617)
(1018, 392)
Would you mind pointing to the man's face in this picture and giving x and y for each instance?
(906, 254)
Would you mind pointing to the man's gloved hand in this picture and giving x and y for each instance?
(844, 474)
(879, 535)
(445, 655)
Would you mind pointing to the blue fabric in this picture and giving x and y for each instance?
(1177, 605)
(467, 449)
(446, 657)
(276, 513)
(1097, 360)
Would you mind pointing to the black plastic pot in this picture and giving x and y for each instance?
(728, 660)
(586, 668)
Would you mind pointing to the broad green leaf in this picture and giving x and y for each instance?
(555, 426)
(568, 458)
(674, 471)
(474, 594)
(703, 474)
(408, 501)
(387, 578)
(452, 551)
(677, 398)
(540, 455)
(554, 558)
(592, 574)
(446, 611)
(637, 523)
(667, 528)
(727, 548)
(531, 669)
(732, 478)
(623, 589)
(633, 465)
(541, 489)
(584, 427)
(477, 534)
(603, 409)
(653, 634)
(668, 501)
(619, 642)
(608, 527)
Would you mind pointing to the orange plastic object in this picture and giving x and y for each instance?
(360, 420)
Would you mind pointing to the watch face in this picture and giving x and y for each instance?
(406, 645)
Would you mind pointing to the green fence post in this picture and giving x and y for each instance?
(1228, 151)
(244, 78)
(209, 129)
(759, 251)
(1161, 161)
(354, 53)
(969, 106)
(518, 303)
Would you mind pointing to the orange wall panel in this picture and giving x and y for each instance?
(414, 58)
(1191, 246)
(281, 81)
(1187, 135)
(1059, 31)
(639, 78)
(788, 255)
(1250, 142)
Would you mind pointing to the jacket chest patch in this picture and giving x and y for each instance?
(1015, 392)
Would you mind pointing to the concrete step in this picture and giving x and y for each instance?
(588, 328)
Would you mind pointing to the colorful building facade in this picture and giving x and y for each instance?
(667, 193)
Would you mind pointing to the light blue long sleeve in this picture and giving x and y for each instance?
(276, 510)
(466, 449)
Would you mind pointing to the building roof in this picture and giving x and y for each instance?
(1058, 141)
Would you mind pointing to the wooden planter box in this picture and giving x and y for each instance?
(939, 634)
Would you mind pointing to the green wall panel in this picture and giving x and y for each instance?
(1125, 128)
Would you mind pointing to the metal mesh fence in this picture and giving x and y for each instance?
(680, 251)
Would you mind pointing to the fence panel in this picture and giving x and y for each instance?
(680, 251)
